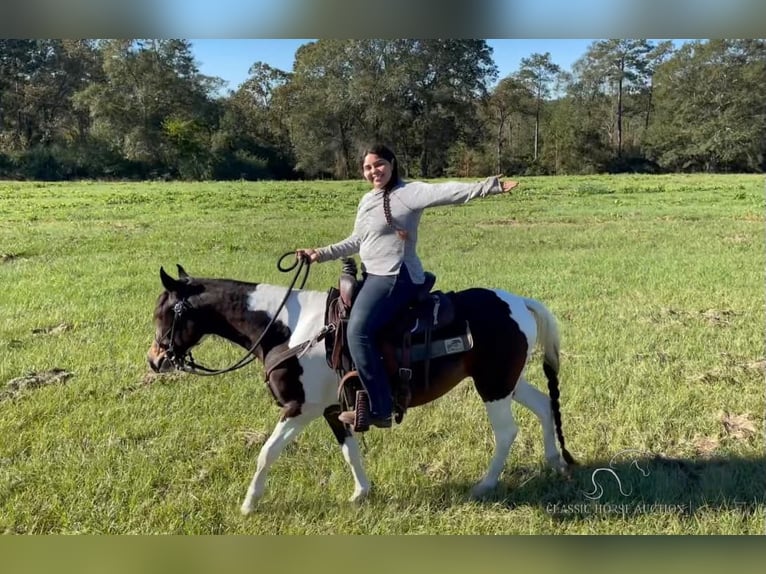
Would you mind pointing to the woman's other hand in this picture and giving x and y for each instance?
(310, 255)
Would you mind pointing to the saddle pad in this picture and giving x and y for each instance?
(441, 347)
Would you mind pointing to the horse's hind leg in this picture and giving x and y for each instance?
(350, 448)
(285, 432)
(540, 404)
(505, 430)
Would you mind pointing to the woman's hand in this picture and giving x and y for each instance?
(310, 255)
(508, 185)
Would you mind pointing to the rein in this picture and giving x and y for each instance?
(186, 362)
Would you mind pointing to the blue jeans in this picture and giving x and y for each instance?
(379, 300)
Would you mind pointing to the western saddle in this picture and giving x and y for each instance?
(411, 339)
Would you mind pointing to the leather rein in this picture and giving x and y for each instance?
(185, 361)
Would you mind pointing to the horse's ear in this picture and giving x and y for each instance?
(172, 285)
(182, 274)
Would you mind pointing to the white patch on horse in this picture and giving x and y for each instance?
(303, 313)
(523, 317)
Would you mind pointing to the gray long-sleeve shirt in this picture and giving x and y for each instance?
(380, 248)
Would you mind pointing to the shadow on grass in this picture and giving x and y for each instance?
(643, 484)
(630, 486)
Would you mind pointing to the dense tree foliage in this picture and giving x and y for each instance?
(133, 108)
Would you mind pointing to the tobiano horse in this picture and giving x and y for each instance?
(270, 320)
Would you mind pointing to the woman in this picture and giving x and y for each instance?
(385, 236)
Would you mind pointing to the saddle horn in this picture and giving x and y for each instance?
(349, 266)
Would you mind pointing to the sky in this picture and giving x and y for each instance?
(231, 59)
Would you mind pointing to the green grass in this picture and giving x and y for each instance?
(657, 283)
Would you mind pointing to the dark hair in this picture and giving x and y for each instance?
(385, 152)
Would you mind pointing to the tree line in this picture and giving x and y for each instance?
(141, 109)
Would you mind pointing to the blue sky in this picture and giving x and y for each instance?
(231, 59)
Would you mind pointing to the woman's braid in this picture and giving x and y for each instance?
(389, 218)
(387, 208)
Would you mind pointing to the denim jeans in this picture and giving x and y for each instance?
(377, 303)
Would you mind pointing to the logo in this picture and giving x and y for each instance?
(606, 477)
(454, 345)
(601, 474)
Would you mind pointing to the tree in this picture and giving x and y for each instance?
(659, 54)
(320, 111)
(149, 85)
(447, 77)
(37, 81)
(253, 140)
(538, 72)
(418, 95)
(509, 97)
(710, 107)
(618, 65)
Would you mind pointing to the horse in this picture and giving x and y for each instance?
(271, 320)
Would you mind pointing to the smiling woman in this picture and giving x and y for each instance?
(385, 235)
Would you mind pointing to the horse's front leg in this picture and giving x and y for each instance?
(285, 432)
(350, 448)
(505, 430)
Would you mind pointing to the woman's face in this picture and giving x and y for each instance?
(376, 170)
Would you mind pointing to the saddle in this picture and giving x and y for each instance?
(425, 330)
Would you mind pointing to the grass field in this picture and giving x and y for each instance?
(657, 281)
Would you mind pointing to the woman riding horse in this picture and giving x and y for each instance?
(385, 235)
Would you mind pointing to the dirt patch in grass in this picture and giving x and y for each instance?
(252, 438)
(732, 371)
(737, 426)
(35, 380)
(52, 330)
(738, 239)
(714, 317)
(704, 445)
(717, 316)
(10, 257)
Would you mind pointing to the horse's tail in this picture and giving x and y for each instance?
(548, 339)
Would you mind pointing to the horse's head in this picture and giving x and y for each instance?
(176, 330)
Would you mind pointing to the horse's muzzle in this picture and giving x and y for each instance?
(162, 365)
(158, 360)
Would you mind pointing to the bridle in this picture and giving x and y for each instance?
(170, 353)
(184, 361)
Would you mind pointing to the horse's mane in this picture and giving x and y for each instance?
(232, 294)
(222, 283)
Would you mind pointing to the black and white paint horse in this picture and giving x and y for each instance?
(506, 328)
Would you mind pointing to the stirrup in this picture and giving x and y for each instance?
(342, 383)
(359, 418)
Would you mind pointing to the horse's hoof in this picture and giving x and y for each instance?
(246, 508)
(481, 490)
(359, 497)
(558, 464)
